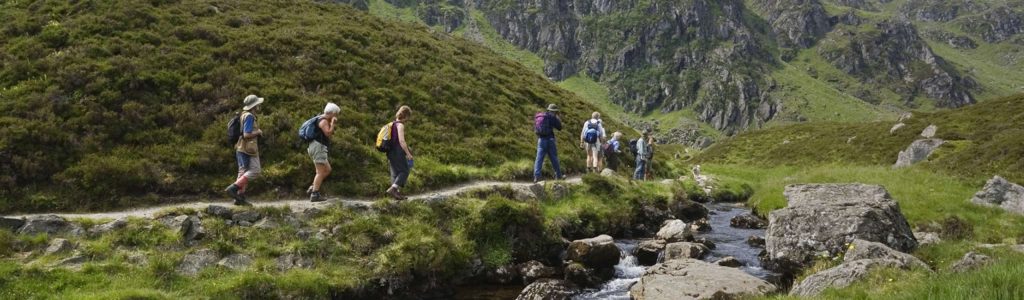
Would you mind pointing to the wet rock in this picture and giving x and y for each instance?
(597, 252)
(927, 238)
(695, 279)
(755, 241)
(685, 250)
(251, 216)
(839, 277)
(195, 262)
(290, 261)
(796, 235)
(674, 231)
(701, 225)
(549, 289)
(918, 151)
(11, 224)
(1001, 193)
(861, 249)
(108, 227)
(588, 277)
(729, 261)
(748, 221)
(220, 211)
(49, 224)
(688, 211)
(533, 270)
(503, 275)
(238, 262)
(706, 242)
(969, 262)
(58, 246)
(647, 252)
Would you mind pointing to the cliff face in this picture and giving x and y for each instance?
(796, 23)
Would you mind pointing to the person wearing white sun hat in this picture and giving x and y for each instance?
(247, 151)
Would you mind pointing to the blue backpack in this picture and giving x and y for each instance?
(310, 130)
(592, 134)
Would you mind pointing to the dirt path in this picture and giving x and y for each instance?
(294, 204)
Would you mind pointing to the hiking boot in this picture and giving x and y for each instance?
(240, 201)
(316, 197)
(232, 191)
(395, 194)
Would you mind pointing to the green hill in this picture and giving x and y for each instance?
(106, 104)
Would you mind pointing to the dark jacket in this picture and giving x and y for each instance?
(553, 122)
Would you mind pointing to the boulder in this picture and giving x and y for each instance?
(290, 261)
(695, 279)
(528, 192)
(588, 277)
(11, 224)
(861, 249)
(192, 230)
(706, 242)
(309, 214)
(929, 132)
(685, 250)
(729, 261)
(755, 241)
(548, 289)
(748, 221)
(58, 246)
(173, 222)
(647, 252)
(533, 270)
(796, 235)
(195, 262)
(701, 225)
(238, 262)
(688, 211)
(918, 151)
(49, 224)
(674, 231)
(266, 223)
(838, 277)
(75, 261)
(1003, 194)
(597, 252)
(503, 275)
(109, 226)
(970, 261)
(607, 173)
(251, 216)
(896, 127)
(927, 238)
(220, 211)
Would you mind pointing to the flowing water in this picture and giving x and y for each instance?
(728, 242)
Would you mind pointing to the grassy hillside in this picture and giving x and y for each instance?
(106, 104)
(982, 140)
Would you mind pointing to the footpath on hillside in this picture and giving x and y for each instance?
(294, 204)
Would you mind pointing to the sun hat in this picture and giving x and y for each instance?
(553, 107)
(251, 101)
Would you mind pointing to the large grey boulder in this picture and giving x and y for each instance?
(49, 224)
(861, 249)
(918, 151)
(11, 224)
(548, 289)
(236, 262)
(647, 252)
(694, 279)
(674, 231)
(970, 261)
(840, 276)
(821, 219)
(528, 192)
(685, 250)
(929, 132)
(250, 216)
(596, 252)
(195, 262)
(1001, 193)
(109, 226)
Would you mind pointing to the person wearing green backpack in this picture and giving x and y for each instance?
(318, 148)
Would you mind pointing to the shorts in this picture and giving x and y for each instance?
(594, 149)
(318, 152)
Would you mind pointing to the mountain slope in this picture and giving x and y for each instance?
(113, 104)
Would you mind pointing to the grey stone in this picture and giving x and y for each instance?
(238, 262)
(918, 151)
(896, 127)
(195, 262)
(694, 279)
(173, 221)
(588, 277)
(250, 215)
(290, 261)
(58, 246)
(503, 275)
(839, 277)
(1001, 193)
(970, 261)
(608, 173)
(266, 223)
(755, 241)
(685, 250)
(929, 132)
(109, 226)
(700, 225)
(49, 224)
(309, 214)
(533, 270)
(528, 192)
(244, 224)
(927, 238)
(559, 190)
(220, 211)
(192, 230)
(674, 231)
(75, 261)
(11, 224)
(647, 252)
(548, 289)
(861, 249)
(748, 221)
(796, 235)
(596, 252)
(729, 261)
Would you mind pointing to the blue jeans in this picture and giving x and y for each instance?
(546, 146)
(641, 168)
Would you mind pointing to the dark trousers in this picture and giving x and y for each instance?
(398, 166)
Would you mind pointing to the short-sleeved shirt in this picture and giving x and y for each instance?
(600, 128)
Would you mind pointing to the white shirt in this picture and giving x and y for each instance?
(600, 129)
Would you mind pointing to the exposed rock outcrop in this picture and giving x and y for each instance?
(996, 25)
(11, 224)
(861, 249)
(1001, 193)
(918, 151)
(797, 23)
(195, 262)
(695, 279)
(108, 227)
(839, 276)
(49, 224)
(970, 261)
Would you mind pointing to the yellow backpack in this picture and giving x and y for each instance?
(383, 143)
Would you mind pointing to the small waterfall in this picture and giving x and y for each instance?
(627, 272)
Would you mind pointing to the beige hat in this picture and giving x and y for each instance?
(553, 107)
(251, 101)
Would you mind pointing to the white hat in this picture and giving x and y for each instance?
(251, 101)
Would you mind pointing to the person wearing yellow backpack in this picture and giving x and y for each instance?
(400, 160)
(247, 151)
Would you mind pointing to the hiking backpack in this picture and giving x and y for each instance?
(540, 124)
(383, 143)
(609, 149)
(632, 147)
(234, 129)
(591, 135)
(310, 130)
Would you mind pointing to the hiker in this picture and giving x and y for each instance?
(612, 150)
(247, 151)
(590, 139)
(544, 125)
(318, 150)
(399, 158)
(649, 167)
(642, 159)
